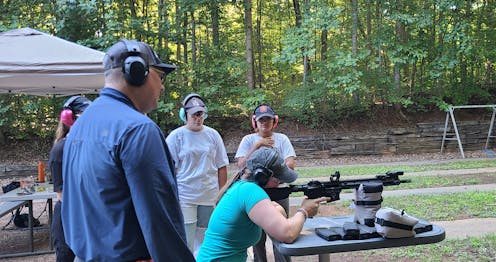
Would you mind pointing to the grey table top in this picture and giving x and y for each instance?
(308, 243)
(42, 191)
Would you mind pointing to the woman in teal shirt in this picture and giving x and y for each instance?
(243, 209)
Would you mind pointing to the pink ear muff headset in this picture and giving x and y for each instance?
(254, 116)
(68, 116)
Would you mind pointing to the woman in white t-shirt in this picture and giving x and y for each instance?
(263, 121)
(201, 161)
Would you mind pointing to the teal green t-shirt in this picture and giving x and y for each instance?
(230, 231)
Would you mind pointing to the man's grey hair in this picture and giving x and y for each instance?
(114, 74)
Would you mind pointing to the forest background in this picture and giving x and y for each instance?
(315, 61)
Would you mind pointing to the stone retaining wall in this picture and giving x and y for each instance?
(423, 138)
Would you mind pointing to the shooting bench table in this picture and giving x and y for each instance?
(308, 243)
(17, 197)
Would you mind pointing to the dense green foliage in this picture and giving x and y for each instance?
(311, 59)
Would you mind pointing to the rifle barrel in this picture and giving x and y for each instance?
(334, 186)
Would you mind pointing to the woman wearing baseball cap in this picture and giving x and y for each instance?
(244, 209)
(201, 161)
(264, 120)
(72, 108)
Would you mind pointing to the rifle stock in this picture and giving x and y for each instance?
(332, 188)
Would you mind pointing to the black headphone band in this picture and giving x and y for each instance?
(67, 104)
(132, 47)
(265, 170)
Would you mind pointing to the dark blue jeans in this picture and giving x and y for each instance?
(62, 250)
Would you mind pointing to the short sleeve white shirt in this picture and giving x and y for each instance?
(281, 144)
(197, 159)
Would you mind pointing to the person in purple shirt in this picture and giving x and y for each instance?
(120, 190)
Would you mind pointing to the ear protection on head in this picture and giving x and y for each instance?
(254, 122)
(67, 116)
(182, 112)
(134, 67)
(262, 174)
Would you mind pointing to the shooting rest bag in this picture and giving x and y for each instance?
(392, 223)
(350, 231)
(11, 186)
(368, 199)
(330, 233)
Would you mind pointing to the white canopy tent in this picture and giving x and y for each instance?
(35, 63)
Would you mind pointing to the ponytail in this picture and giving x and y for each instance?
(229, 183)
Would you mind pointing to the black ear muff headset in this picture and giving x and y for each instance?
(253, 116)
(262, 174)
(182, 112)
(68, 116)
(134, 67)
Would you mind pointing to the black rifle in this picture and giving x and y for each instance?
(332, 188)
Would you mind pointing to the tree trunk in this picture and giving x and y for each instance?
(178, 23)
(214, 13)
(323, 45)
(378, 13)
(401, 39)
(369, 27)
(162, 17)
(250, 72)
(412, 78)
(3, 140)
(354, 40)
(298, 17)
(193, 39)
(184, 37)
(259, 75)
(440, 54)
(296, 6)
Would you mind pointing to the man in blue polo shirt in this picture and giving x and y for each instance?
(120, 192)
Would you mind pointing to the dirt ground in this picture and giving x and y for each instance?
(29, 152)
(14, 239)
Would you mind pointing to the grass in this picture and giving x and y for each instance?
(469, 249)
(446, 180)
(310, 172)
(447, 206)
(451, 206)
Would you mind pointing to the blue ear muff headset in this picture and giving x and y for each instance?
(182, 111)
(262, 174)
(134, 67)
